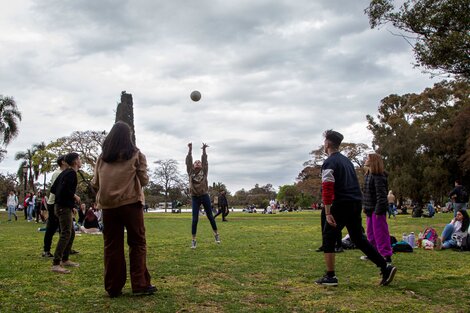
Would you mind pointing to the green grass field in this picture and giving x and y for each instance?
(265, 263)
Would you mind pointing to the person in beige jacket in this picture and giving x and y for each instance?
(119, 175)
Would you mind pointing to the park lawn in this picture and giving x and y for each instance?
(265, 263)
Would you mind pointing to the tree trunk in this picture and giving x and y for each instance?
(125, 112)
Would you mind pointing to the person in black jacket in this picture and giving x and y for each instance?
(223, 206)
(459, 197)
(64, 189)
(375, 205)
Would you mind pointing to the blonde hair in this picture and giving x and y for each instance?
(376, 164)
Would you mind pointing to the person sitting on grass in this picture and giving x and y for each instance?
(90, 223)
(454, 231)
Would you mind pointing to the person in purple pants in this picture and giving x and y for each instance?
(375, 206)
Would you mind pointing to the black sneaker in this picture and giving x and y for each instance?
(327, 281)
(339, 249)
(319, 249)
(74, 252)
(387, 275)
(150, 290)
(47, 254)
(115, 294)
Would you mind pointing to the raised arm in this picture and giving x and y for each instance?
(205, 164)
(189, 158)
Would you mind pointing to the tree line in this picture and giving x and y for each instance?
(423, 137)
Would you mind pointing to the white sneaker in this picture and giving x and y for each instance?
(193, 244)
(217, 238)
(364, 258)
(59, 269)
(69, 263)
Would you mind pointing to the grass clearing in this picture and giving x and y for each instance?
(265, 263)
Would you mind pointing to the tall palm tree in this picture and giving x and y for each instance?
(26, 158)
(9, 119)
(42, 161)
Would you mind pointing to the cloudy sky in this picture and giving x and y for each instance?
(273, 76)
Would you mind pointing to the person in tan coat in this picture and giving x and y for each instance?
(119, 175)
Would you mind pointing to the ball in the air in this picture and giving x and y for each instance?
(195, 96)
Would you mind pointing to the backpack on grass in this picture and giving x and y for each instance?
(402, 246)
(465, 243)
(430, 234)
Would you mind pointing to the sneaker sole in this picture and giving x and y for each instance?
(62, 272)
(390, 277)
(327, 284)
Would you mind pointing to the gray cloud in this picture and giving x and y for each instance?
(273, 76)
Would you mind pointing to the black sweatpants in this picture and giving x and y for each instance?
(348, 214)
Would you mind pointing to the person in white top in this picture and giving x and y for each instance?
(454, 231)
(12, 203)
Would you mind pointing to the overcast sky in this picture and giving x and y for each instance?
(273, 76)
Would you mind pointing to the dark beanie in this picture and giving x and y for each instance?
(334, 136)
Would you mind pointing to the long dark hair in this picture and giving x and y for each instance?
(118, 144)
(466, 220)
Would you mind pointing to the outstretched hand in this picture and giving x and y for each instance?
(204, 146)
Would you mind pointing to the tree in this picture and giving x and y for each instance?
(9, 120)
(240, 197)
(125, 111)
(167, 175)
(260, 195)
(153, 194)
(439, 31)
(8, 182)
(309, 182)
(26, 158)
(86, 143)
(288, 194)
(423, 139)
(309, 179)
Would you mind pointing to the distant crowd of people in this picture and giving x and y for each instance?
(121, 172)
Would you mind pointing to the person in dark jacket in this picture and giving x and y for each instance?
(223, 206)
(64, 189)
(375, 205)
(459, 197)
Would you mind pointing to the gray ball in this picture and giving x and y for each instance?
(195, 96)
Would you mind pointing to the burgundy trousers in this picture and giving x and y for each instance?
(131, 217)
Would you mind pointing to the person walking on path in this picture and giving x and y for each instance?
(52, 220)
(199, 188)
(342, 197)
(64, 189)
(223, 206)
(375, 206)
(12, 203)
(119, 175)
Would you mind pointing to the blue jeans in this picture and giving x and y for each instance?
(391, 209)
(30, 212)
(11, 211)
(458, 206)
(205, 200)
(447, 241)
